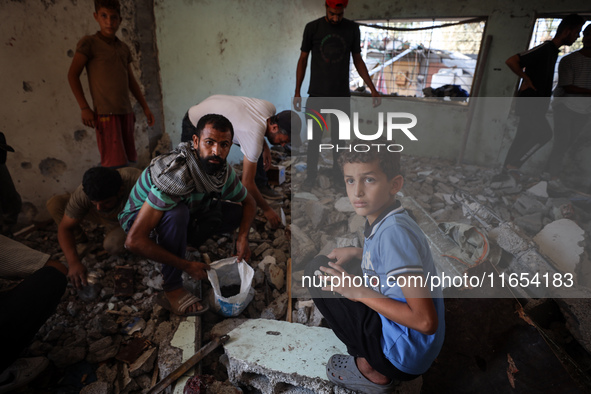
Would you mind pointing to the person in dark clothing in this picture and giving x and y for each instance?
(536, 68)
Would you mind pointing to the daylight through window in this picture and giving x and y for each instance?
(544, 30)
(420, 58)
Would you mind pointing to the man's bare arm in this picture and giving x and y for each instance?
(515, 65)
(248, 173)
(364, 74)
(67, 241)
(248, 211)
(138, 241)
(135, 89)
(300, 74)
(78, 63)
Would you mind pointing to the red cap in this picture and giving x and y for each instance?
(337, 3)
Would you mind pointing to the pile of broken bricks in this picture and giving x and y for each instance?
(127, 342)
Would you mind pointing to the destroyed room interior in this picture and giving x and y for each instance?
(513, 244)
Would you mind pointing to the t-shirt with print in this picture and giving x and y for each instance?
(331, 47)
(107, 67)
(80, 205)
(395, 245)
(247, 115)
(145, 191)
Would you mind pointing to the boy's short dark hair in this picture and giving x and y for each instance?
(108, 4)
(389, 161)
(569, 22)
(100, 183)
(217, 121)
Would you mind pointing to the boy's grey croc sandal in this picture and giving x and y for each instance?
(342, 371)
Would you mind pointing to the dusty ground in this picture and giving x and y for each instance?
(490, 344)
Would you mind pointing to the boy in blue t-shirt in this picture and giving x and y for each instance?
(389, 318)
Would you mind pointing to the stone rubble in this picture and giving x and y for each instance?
(127, 339)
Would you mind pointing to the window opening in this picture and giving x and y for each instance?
(420, 58)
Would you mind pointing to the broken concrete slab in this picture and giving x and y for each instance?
(562, 241)
(527, 204)
(276, 310)
(438, 241)
(316, 212)
(225, 326)
(144, 364)
(539, 190)
(184, 337)
(274, 356)
(105, 352)
(305, 196)
(531, 224)
(275, 276)
(508, 238)
(303, 248)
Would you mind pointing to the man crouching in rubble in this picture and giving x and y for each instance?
(177, 197)
(99, 199)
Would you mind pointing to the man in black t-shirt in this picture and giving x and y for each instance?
(536, 68)
(331, 39)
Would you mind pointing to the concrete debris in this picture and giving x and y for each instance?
(267, 261)
(526, 205)
(144, 364)
(316, 212)
(539, 190)
(276, 310)
(563, 242)
(96, 330)
(531, 223)
(275, 276)
(272, 356)
(343, 205)
(96, 388)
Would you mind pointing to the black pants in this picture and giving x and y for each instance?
(10, 201)
(356, 325)
(221, 217)
(313, 154)
(533, 130)
(24, 309)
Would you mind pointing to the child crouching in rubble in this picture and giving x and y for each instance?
(393, 327)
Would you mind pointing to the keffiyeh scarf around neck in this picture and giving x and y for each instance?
(180, 172)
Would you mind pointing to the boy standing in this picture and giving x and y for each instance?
(393, 327)
(108, 65)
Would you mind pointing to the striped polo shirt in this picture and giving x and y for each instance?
(145, 191)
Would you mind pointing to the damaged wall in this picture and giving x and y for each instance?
(40, 117)
(244, 48)
(251, 48)
(206, 47)
(510, 24)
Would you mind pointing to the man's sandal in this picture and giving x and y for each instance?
(342, 371)
(182, 304)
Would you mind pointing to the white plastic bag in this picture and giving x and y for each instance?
(228, 272)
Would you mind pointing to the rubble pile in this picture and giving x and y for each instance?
(534, 206)
(126, 338)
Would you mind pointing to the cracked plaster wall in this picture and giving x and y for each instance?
(39, 115)
(206, 47)
(251, 48)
